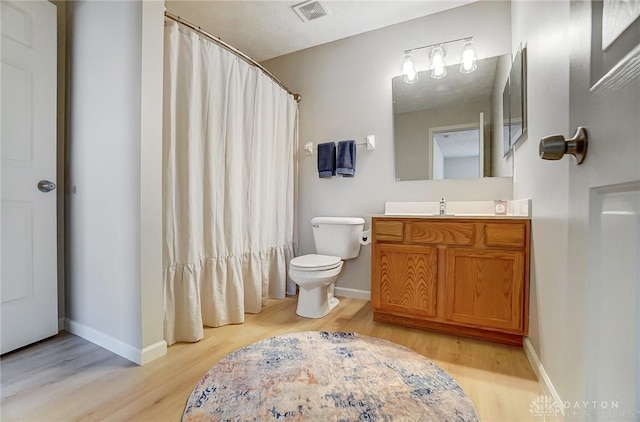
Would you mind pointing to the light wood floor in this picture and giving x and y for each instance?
(67, 378)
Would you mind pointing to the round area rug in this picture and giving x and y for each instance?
(327, 376)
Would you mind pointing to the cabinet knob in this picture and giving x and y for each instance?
(554, 147)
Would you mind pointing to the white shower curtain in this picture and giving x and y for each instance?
(230, 138)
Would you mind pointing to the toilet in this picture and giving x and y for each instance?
(336, 239)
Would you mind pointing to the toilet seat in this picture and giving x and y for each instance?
(314, 262)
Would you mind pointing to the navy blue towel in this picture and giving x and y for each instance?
(346, 158)
(327, 159)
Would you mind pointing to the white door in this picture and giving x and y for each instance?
(604, 222)
(28, 148)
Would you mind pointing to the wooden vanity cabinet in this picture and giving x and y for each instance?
(462, 276)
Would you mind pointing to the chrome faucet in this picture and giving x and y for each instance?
(443, 206)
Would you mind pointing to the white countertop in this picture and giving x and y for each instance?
(520, 208)
(453, 217)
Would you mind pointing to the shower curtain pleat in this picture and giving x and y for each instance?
(229, 161)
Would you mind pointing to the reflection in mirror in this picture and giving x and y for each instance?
(456, 152)
(515, 100)
(506, 113)
(451, 128)
(517, 118)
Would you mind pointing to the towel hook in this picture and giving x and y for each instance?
(308, 147)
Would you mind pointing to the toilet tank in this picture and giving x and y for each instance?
(337, 236)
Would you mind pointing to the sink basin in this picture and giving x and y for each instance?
(515, 208)
(421, 214)
(411, 208)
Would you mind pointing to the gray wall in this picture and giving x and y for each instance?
(346, 89)
(461, 168)
(114, 271)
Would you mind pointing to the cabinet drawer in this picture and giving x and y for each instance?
(388, 230)
(443, 233)
(511, 235)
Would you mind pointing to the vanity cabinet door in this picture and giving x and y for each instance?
(405, 280)
(485, 288)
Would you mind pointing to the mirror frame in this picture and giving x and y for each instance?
(517, 116)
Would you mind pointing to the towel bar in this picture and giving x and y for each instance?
(309, 147)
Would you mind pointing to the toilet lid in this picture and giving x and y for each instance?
(313, 262)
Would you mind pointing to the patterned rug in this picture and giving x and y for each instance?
(327, 376)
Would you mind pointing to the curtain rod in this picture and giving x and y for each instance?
(217, 40)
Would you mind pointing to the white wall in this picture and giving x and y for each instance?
(544, 27)
(115, 147)
(346, 89)
(151, 291)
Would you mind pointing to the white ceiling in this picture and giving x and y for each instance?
(268, 29)
(459, 143)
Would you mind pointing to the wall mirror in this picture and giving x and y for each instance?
(451, 128)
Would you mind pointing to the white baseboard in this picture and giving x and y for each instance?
(135, 355)
(352, 293)
(543, 378)
(153, 352)
(61, 324)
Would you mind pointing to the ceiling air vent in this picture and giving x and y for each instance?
(310, 10)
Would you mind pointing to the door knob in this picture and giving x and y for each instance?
(554, 147)
(46, 186)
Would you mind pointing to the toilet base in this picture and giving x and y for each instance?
(316, 302)
(333, 302)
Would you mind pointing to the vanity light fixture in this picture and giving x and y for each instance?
(468, 58)
(437, 63)
(409, 69)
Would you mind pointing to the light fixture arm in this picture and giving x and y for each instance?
(437, 44)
